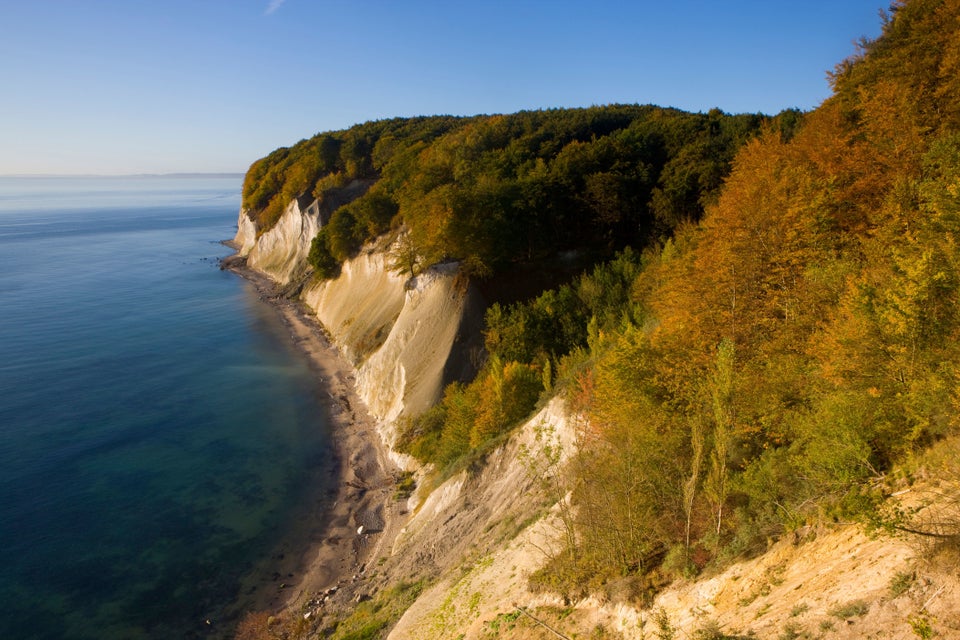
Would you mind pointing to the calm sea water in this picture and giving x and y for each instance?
(157, 429)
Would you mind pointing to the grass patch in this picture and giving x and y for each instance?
(921, 626)
(792, 631)
(747, 600)
(665, 629)
(901, 583)
(503, 622)
(849, 610)
(371, 620)
(406, 484)
(710, 630)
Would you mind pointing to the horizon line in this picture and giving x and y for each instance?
(174, 174)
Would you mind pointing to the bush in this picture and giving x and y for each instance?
(344, 237)
(901, 583)
(324, 264)
(469, 416)
(371, 619)
(508, 392)
(854, 609)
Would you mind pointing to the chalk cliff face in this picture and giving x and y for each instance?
(246, 237)
(281, 252)
(406, 337)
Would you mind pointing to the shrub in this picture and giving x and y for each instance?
(665, 629)
(325, 265)
(255, 625)
(849, 610)
(370, 619)
(920, 624)
(508, 392)
(901, 583)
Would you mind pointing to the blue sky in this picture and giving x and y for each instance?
(157, 86)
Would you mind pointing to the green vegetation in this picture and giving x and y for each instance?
(901, 583)
(793, 631)
(776, 360)
(495, 191)
(504, 622)
(327, 162)
(778, 339)
(854, 609)
(406, 484)
(523, 341)
(764, 367)
(710, 630)
(665, 628)
(921, 626)
(372, 619)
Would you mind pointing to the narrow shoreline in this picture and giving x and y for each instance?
(329, 573)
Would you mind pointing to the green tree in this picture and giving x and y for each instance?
(325, 265)
(721, 386)
(405, 256)
(508, 392)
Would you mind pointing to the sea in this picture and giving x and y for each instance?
(159, 432)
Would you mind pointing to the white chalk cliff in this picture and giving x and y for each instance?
(406, 337)
(281, 252)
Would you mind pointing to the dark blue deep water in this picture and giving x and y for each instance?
(157, 429)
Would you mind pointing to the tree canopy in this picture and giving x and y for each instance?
(495, 191)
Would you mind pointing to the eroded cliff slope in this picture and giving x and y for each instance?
(407, 337)
(281, 252)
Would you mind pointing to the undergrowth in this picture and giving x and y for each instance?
(372, 619)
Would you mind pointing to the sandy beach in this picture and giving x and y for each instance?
(329, 567)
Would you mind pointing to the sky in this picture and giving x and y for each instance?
(163, 86)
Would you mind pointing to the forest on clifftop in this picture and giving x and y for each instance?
(496, 191)
(766, 331)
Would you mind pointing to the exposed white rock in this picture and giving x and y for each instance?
(281, 252)
(401, 334)
(246, 236)
(359, 307)
(440, 500)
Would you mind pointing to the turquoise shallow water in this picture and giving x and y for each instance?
(157, 429)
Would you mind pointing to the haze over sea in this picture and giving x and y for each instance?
(158, 431)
